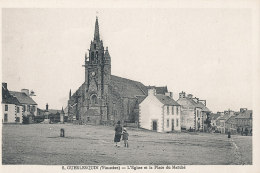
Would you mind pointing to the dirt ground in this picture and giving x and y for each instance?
(40, 144)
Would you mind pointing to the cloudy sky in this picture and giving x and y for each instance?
(206, 52)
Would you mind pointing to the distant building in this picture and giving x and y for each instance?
(16, 105)
(221, 123)
(213, 118)
(159, 112)
(244, 120)
(193, 112)
(51, 115)
(230, 125)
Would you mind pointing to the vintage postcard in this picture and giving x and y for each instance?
(130, 86)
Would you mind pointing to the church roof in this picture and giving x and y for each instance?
(128, 88)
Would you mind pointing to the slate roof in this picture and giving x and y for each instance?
(203, 107)
(128, 88)
(224, 117)
(231, 120)
(214, 116)
(7, 98)
(23, 98)
(198, 105)
(166, 100)
(10, 100)
(245, 115)
(159, 90)
(54, 111)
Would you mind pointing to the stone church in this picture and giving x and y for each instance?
(104, 98)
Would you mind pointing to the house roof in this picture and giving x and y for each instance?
(23, 98)
(166, 100)
(7, 98)
(224, 117)
(231, 120)
(214, 116)
(10, 100)
(159, 90)
(54, 111)
(203, 107)
(245, 115)
(195, 104)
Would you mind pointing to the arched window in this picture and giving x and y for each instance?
(92, 56)
(97, 55)
(94, 99)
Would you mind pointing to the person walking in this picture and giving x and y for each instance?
(125, 137)
(118, 132)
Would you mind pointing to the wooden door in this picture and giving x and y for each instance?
(155, 125)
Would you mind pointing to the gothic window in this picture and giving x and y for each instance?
(95, 46)
(92, 56)
(94, 99)
(97, 54)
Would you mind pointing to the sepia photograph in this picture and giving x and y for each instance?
(128, 88)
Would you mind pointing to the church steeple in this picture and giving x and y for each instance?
(96, 34)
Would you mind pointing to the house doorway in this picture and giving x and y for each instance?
(172, 124)
(155, 125)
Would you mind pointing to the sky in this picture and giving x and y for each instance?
(205, 52)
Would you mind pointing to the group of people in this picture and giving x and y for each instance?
(120, 132)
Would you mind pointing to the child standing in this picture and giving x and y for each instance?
(125, 137)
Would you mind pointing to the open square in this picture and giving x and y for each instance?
(41, 144)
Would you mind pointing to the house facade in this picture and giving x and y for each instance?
(244, 120)
(159, 112)
(193, 112)
(15, 105)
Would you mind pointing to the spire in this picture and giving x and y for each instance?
(96, 34)
(62, 111)
(107, 56)
(70, 94)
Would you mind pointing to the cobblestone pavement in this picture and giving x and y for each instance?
(40, 144)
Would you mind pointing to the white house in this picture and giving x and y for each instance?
(159, 112)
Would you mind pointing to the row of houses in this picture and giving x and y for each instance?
(158, 112)
(19, 107)
(231, 121)
(161, 113)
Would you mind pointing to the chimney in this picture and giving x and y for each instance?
(25, 91)
(242, 110)
(47, 107)
(182, 95)
(190, 96)
(152, 91)
(195, 99)
(203, 102)
(169, 94)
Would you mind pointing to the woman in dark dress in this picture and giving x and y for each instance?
(118, 132)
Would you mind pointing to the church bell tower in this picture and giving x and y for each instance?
(97, 78)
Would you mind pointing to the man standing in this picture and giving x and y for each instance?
(118, 132)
